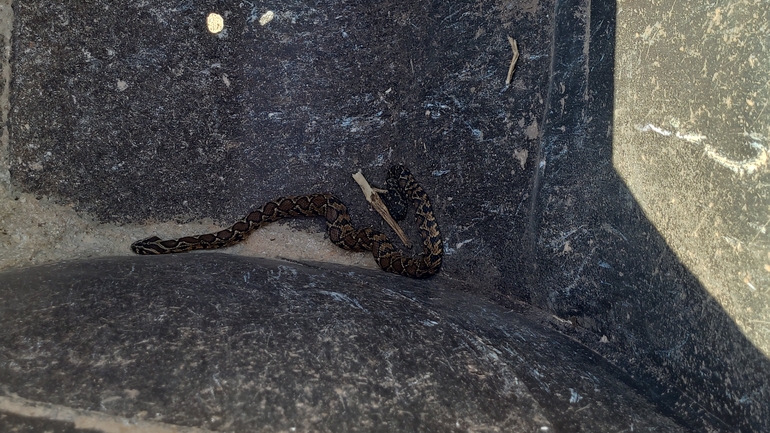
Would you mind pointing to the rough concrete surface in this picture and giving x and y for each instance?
(615, 185)
(692, 142)
(39, 229)
(290, 107)
(604, 263)
(278, 345)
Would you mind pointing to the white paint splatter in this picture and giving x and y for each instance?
(740, 167)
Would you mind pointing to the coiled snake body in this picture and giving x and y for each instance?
(338, 224)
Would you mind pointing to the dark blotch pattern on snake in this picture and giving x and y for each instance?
(338, 224)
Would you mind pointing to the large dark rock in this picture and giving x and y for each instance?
(223, 342)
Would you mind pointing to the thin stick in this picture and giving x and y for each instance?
(374, 199)
(515, 49)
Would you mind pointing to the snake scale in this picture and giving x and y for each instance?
(341, 231)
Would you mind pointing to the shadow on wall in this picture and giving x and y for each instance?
(599, 261)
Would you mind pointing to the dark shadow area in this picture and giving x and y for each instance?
(143, 115)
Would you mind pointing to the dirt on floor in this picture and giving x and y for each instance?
(35, 230)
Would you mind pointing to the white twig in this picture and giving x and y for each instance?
(515, 49)
(374, 199)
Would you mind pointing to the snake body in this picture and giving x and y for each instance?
(339, 227)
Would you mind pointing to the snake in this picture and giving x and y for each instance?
(401, 185)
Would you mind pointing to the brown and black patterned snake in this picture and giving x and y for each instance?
(338, 224)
